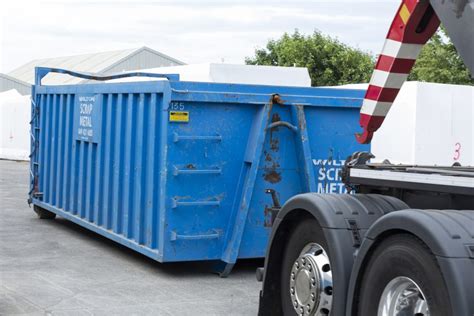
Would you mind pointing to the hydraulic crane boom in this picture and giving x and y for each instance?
(414, 24)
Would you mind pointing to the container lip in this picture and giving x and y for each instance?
(267, 89)
(41, 72)
(208, 92)
(194, 92)
(262, 98)
(118, 87)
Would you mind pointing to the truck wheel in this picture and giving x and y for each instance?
(306, 279)
(42, 213)
(402, 277)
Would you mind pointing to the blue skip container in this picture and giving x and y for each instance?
(181, 171)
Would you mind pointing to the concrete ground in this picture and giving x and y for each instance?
(55, 267)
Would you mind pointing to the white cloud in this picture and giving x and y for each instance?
(193, 31)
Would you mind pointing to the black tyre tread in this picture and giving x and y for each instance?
(42, 213)
(403, 255)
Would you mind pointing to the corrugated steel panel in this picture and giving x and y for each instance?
(93, 63)
(178, 170)
(84, 177)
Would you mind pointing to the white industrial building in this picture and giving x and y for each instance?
(104, 63)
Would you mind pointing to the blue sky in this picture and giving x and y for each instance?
(192, 31)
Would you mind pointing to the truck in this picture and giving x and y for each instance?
(402, 243)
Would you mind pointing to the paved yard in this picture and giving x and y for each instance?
(54, 267)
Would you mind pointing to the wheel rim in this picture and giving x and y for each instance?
(402, 296)
(311, 282)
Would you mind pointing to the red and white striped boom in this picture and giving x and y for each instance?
(414, 24)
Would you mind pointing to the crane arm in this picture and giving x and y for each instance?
(414, 24)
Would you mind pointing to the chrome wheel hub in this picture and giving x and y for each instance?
(311, 282)
(402, 296)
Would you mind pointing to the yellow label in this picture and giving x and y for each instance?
(404, 13)
(179, 116)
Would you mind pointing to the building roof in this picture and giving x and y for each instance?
(4, 76)
(94, 63)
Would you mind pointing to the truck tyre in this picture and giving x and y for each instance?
(402, 277)
(305, 257)
(325, 230)
(42, 213)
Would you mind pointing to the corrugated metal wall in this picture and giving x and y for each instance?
(114, 183)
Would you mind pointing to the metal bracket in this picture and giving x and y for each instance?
(354, 228)
(177, 137)
(34, 145)
(283, 124)
(215, 234)
(176, 203)
(274, 210)
(303, 148)
(177, 171)
(359, 158)
(249, 172)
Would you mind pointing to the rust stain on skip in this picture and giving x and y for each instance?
(277, 99)
(272, 176)
(268, 217)
(274, 142)
(276, 118)
(301, 117)
(268, 157)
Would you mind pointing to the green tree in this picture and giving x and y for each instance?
(329, 61)
(440, 62)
